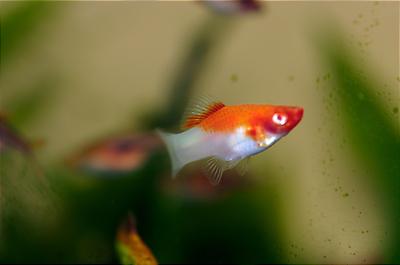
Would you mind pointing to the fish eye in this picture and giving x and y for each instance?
(279, 119)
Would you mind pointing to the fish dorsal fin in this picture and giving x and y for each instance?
(200, 110)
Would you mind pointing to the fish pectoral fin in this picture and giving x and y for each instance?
(243, 166)
(215, 167)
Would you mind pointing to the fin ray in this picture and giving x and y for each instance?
(215, 168)
(243, 166)
(199, 110)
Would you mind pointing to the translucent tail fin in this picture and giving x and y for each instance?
(171, 141)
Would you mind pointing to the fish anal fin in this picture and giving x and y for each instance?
(215, 167)
(200, 110)
(243, 166)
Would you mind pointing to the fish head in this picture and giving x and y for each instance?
(282, 119)
(270, 123)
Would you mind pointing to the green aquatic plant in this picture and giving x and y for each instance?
(200, 49)
(130, 247)
(372, 131)
(18, 24)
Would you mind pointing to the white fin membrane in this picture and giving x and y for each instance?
(215, 167)
(243, 166)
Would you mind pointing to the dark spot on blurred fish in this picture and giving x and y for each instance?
(233, 6)
(118, 154)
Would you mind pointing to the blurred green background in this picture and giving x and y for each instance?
(76, 72)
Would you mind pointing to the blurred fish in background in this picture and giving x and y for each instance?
(12, 142)
(230, 7)
(29, 206)
(9, 138)
(117, 155)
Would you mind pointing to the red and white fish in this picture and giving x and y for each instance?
(228, 135)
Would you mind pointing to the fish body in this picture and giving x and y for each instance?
(228, 135)
(116, 155)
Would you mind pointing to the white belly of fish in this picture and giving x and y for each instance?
(196, 144)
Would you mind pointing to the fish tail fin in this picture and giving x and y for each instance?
(172, 144)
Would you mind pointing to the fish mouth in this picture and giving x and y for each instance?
(300, 112)
(262, 144)
(297, 115)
